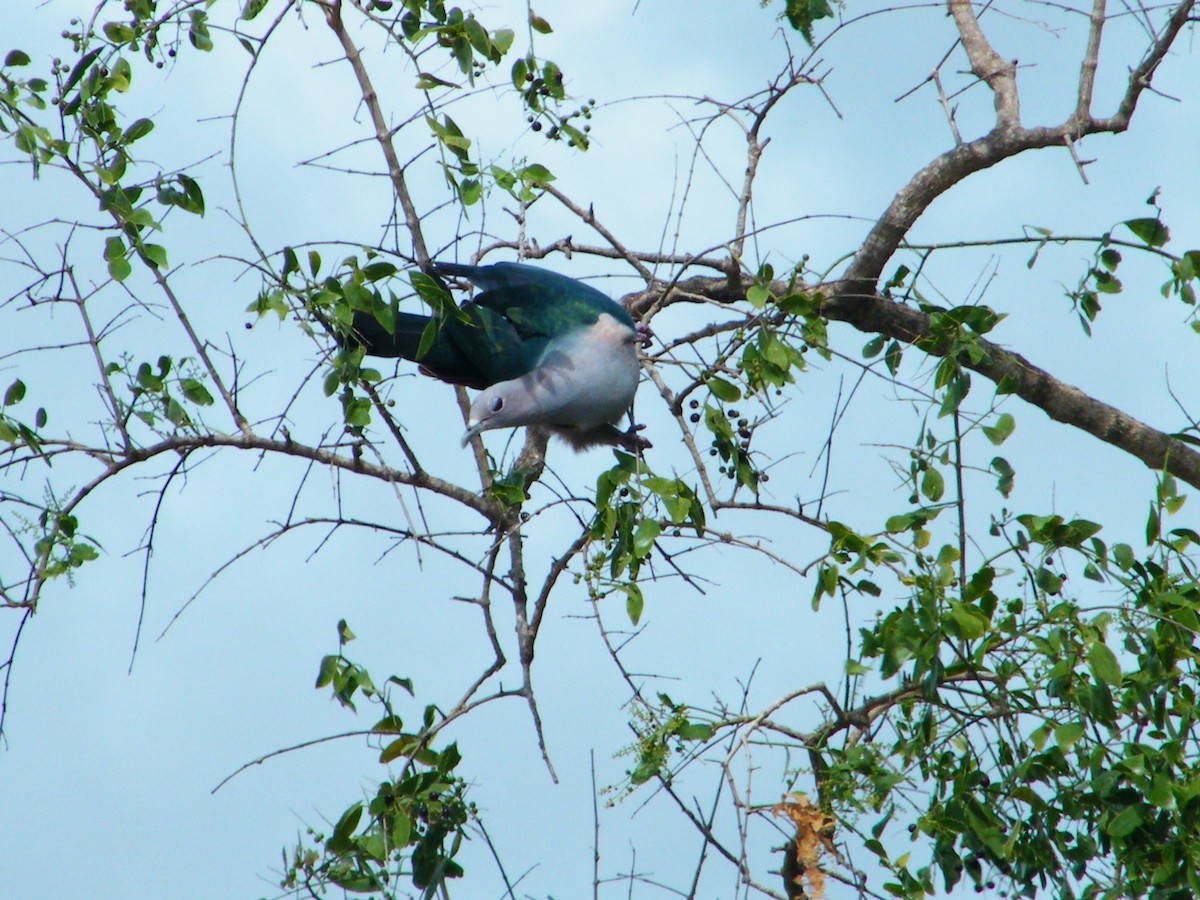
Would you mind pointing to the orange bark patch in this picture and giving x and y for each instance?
(814, 834)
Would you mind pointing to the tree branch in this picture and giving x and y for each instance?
(874, 314)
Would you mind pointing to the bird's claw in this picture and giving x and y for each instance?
(643, 334)
(632, 441)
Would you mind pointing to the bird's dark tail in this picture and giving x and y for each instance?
(443, 360)
(455, 270)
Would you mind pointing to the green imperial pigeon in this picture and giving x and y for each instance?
(545, 350)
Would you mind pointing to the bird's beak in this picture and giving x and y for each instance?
(473, 429)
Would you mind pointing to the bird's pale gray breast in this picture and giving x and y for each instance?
(588, 378)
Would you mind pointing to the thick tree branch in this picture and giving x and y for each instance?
(1006, 139)
(1062, 402)
(988, 66)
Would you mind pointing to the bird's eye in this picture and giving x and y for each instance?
(497, 404)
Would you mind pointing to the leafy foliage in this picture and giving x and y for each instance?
(1019, 712)
(413, 826)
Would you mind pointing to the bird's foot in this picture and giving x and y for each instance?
(632, 441)
(644, 334)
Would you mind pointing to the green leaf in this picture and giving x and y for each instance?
(873, 347)
(427, 338)
(155, 254)
(634, 602)
(956, 391)
(801, 14)
(81, 553)
(892, 357)
(252, 8)
(377, 271)
(471, 191)
(198, 32)
(196, 392)
(932, 484)
(329, 667)
(535, 173)
(176, 414)
(15, 393)
(1065, 736)
(118, 32)
(478, 36)
(138, 129)
(999, 432)
(1125, 823)
(401, 746)
(388, 725)
(1160, 792)
(1048, 581)
(1103, 663)
(405, 683)
(16, 58)
(1005, 475)
(723, 390)
(119, 268)
(1153, 232)
(758, 295)
(79, 69)
(290, 263)
(503, 40)
(1123, 555)
(401, 830)
(1153, 525)
(339, 841)
(333, 378)
(967, 622)
(519, 70)
(538, 24)
(644, 537)
(644, 771)
(694, 731)
(427, 82)
(194, 202)
(1038, 737)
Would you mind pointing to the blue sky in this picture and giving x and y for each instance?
(107, 774)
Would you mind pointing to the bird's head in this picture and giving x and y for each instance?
(503, 405)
